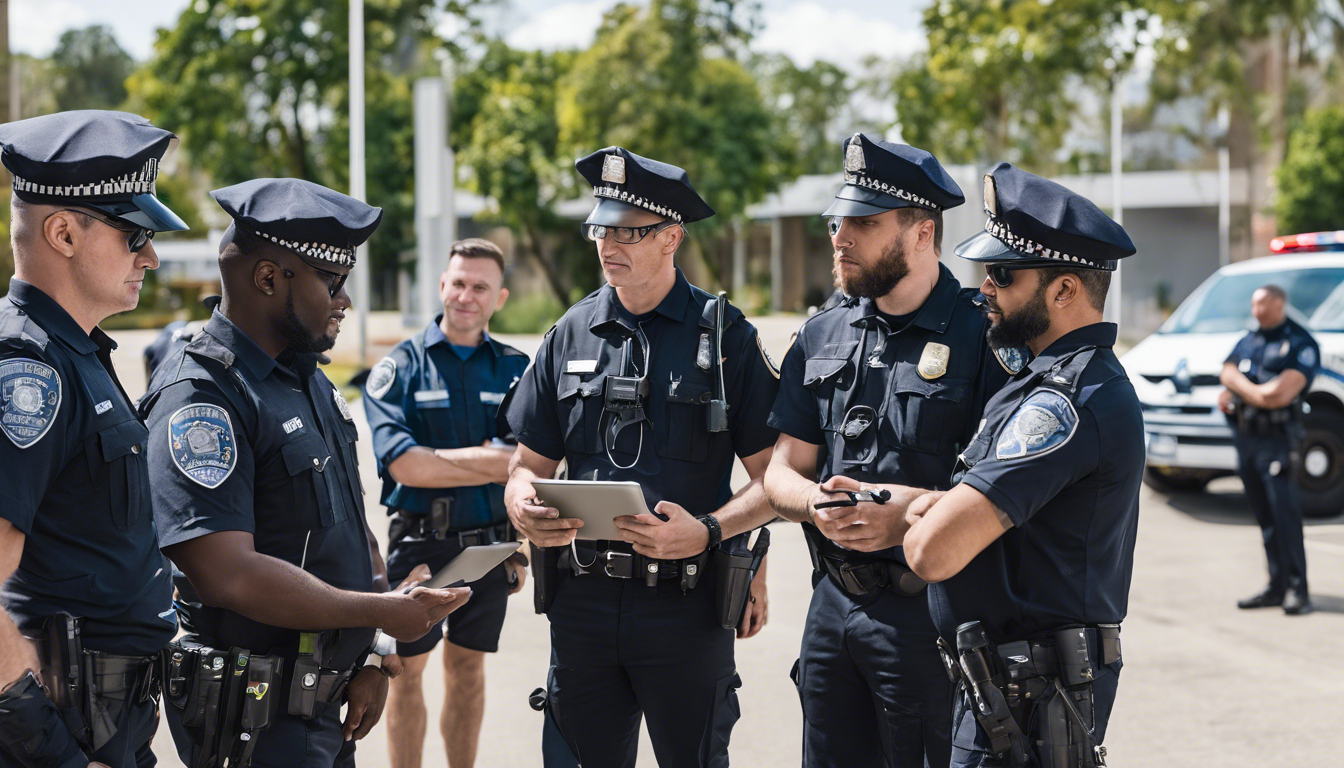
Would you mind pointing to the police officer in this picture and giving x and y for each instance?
(632, 384)
(432, 406)
(176, 334)
(1266, 376)
(258, 500)
(1031, 552)
(77, 543)
(884, 388)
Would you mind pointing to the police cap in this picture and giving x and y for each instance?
(882, 175)
(304, 217)
(623, 181)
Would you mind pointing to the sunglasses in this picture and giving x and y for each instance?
(1001, 274)
(335, 281)
(136, 237)
(624, 235)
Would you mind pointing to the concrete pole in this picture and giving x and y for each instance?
(1117, 307)
(449, 182)
(431, 134)
(1224, 188)
(741, 231)
(357, 173)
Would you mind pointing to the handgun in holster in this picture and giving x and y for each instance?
(983, 684)
(231, 696)
(734, 572)
(545, 575)
(64, 672)
(324, 665)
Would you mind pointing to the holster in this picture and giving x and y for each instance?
(32, 730)
(545, 575)
(734, 572)
(323, 668)
(231, 696)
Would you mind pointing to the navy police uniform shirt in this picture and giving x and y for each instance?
(1061, 454)
(1265, 353)
(425, 394)
(75, 483)
(557, 409)
(241, 441)
(891, 405)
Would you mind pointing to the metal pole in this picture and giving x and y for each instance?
(1224, 188)
(357, 180)
(1117, 205)
(449, 176)
(430, 138)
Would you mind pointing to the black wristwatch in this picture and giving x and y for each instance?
(715, 531)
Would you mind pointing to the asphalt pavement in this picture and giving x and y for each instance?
(1203, 683)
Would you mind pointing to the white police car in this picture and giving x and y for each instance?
(1175, 371)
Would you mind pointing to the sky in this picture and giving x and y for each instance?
(839, 31)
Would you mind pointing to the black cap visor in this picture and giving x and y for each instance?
(613, 213)
(988, 249)
(142, 211)
(853, 200)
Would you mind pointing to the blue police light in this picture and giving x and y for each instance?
(1308, 242)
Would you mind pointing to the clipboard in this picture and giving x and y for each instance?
(595, 502)
(472, 564)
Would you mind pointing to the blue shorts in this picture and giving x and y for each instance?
(474, 626)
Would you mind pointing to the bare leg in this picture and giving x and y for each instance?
(463, 704)
(406, 714)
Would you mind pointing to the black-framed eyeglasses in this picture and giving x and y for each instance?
(335, 280)
(136, 237)
(624, 235)
(1001, 274)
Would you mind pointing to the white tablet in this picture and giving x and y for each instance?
(471, 565)
(595, 502)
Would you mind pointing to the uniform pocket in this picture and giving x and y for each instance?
(580, 409)
(722, 718)
(831, 370)
(687, 420)
(307, 461)
(118, 464)
(437, 416)
(932, 414)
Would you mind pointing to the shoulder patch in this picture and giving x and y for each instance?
(381, 378)
(341, 404)
(1013, 359)
(774, 369)
(200, 439)
(1044, 422)
(30, 398)
(1307, 357)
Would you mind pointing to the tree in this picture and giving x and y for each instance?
(999, 79)
(90, 69)
(811, 109)
(1311, 178)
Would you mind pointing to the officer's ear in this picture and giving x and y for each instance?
(264, 275)
(62, 232)
(675, 234)
(1067, 289)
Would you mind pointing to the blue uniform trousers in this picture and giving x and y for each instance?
(1267, 474)
(290, 742)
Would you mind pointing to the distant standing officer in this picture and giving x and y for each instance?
(884, 388)
(1266, 376)
(432, 406)
(258, 498)
(1030, 554)
(76, 530)
(623, 389)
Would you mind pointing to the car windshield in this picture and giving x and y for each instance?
(1223, 303)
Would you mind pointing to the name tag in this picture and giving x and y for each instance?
(431, 395)
(492, 398)
(293, 424)
(581, 366)
(102, 407)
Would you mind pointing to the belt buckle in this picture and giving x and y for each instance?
(624, 557)
(849, 577)
(469, 539)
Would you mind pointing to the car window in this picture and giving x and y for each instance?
(1223, 303)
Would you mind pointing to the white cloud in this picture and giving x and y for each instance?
(566, 25)
(808, 31)
(36, 25)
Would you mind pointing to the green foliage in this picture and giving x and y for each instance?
(90, 70)
(527, 314)
(811, 109)
(998, 81)
(1311, 179)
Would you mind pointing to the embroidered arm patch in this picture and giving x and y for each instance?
(1044, 422)
(381, 378)
(200, 438)
(30, 398)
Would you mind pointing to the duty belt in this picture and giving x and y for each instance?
(602, 558)
(132, 679)
(859, 578)
(421, 527)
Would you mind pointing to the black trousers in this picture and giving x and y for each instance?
(872, 685)
(621, 650)
(1267, 474)
(129, 748)
(290, 742)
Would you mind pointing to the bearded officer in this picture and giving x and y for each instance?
(885, 388)
(623, 388)
(77, 543)
(1031, 552)
(259, 502)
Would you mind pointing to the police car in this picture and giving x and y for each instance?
(1175, 371)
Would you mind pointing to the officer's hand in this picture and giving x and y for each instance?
(678, 537)
(758, 607)
(829, 491)
(418, 574)
(366, 694)
(865, 527)
(541, 524)
(1225, 401)
(516, 567)
(393, 666)
(411, 616)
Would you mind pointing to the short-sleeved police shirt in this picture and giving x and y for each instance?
(75, 483)
(1061, 454)
(277, 460)
(558, 410)
(1265, 353)
(425, 394)
(925, 385)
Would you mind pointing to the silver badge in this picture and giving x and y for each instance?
(341, 405)
(1307, 357)
(381, 378)
(613, 169)
(854, 155)
(703, 356)
(991, 196)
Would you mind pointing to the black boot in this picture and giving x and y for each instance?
(1296, 602)
(1267, 599)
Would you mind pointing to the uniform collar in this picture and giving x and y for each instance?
(1277, 332)
(1094, 335)
(934, 314)
(258, 363)
(610, 310)
(55, 320)
(434, 335)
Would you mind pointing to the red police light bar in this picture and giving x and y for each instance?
(1307, 242)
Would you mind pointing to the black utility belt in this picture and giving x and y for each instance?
(431, 527)
(863, 577)
(600, 557)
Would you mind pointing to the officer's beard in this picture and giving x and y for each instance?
(877, 280)
(299, 338)
(1023, 326)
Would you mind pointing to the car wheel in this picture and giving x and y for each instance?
(1320, 469)
(1175, 480)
